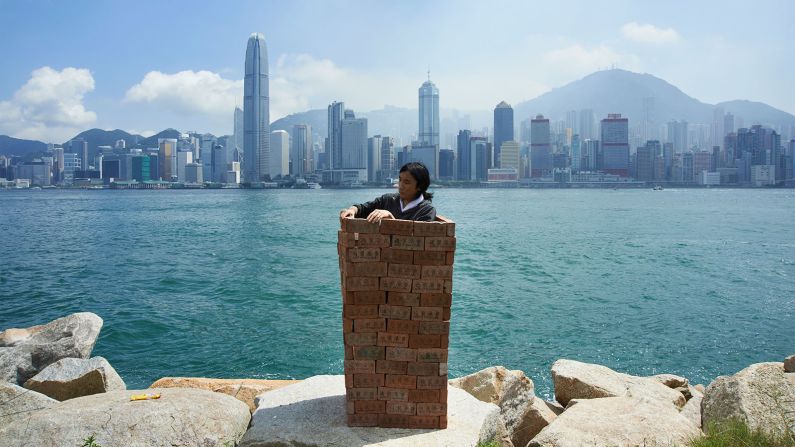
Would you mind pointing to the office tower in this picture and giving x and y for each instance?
(587, 119)
(58, 164)
(668, 159)
(718, 121)
(141, 168)
(480, 158)
(571, 121)
(524, 132)
(238, 129)
(730, 149)
(540, 148)
(576, 153)
(79, 146)
(728, 124)
(205, 154)
(427, 154)
(388, 168)
(193, 173)
(645, 160)
(373, 158)
(429, 113)
(615, 145)
(790, 172)
(256, 111)
(167, 153)
(301, 150)
(281, 153)
(336, 113)
(446, 164)
(509, 156)
(677, 135)
(464, 165)
(183, 158)
(503, 128)
(353, 139)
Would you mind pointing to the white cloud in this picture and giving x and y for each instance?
(49, 106)
(646, 33)
(187, 92)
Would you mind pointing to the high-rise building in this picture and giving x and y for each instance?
(648, 129)
(540, 147)
(238, 129)
(480, 158)
(509, 155)
(427, 154)
(503, 128)
(167, 157)
(205, 154)
(615, 145)
(373, 158)
(718, 121)
(280, 153)
(57, 164)
(353, 136)
(571, 121)
(576, 153)
(463, 155)
(677, 135)
(645, 160)
(256, 111)
(79, 146)
(429, 114)
(587, 119)
(728, 124)
(301, 150)
(183, 159)
(446, 164)
(336, 113)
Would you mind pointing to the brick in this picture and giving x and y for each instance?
(437, 271)
(360, 311)
(393, 420)
(426, 313)
(369, 297)
(359, 226)
(371, 406)
(442, 369)
(448, 287)
(434, 327)
(445, 342)
(363, 420)
(421, 369)
(368, 353)
(396, 226)
(349, 378)
(450, 258)
(363, 325)
(449, 224)
(402, 326)
(394, 255)
(429, 257)
(390, 367)
(403, 299)
(408, 242)
(432, 355)
(347, 325)
(404, 271)
(362, 393)
(433, 300)
(373, 240)
(423, 341)
(365, 269)
(399, 354)
(428, 285)
(423, 422)
(446, 314)
(423, 396)
(443, 393)
(394, 312)
(354, 339)
(349, 353)
(396, 284)
(403, 381)
(387, 339)
(360, 366)
(357, 283)
(346, 239)
(397, 407)
(438, 243)
(430, 229)
(431, 409)
(368, 380)
(443, 422)
(431, 382)
(385, 393)
(348, 297)
(365, 254)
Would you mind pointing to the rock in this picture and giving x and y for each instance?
(671, 381)
(555, 407)
(789, 364)
(760, 395)
(17, 403)
(181, 417)
(537, 417)
(244, 390)
(577, 380)
(69, 378)
(700, 388)
(692, 410)
(313, 413)
(25, 352)
(617, 422)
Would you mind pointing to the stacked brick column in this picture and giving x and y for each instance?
(397, 281)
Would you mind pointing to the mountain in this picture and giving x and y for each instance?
(152, 141)
(757, 112)
(15, 146)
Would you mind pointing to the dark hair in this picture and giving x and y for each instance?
(421, 175)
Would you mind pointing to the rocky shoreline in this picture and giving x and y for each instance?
(53, 393)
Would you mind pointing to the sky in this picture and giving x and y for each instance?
(143, 66)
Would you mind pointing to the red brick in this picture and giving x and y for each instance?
(364, 254)
(396, 284)
(446, 314)
(401, 354)
(423, 422)
(431, 382)
(365, 269)
(363, 420)
(385, 393)
(448, 287)
(346, 239)
(423, 395)
(432, 300)
(403, 299)
(390, 367)
(349, 378)
(442, 369)
(397, 407)
(434, 327)
(429, 258)
(442, 422)
(360, 311)
(430, 229)
(437, 271)
(450, 258)
(387, 339)
(396, 226)
(349, 353)
(448, 223)
(394, 312)
(431, 409)
(373, 240)
(360, 366)
(439, 243)
(434, 285)
(347, 325)
(402, 326)
(363, 325)
(421, 369)
(432, 355)
(369, 297)
(370, 393)
(424, 341)
(405, 271)
(445, 342)
(393, 255)
(368, 380)
(403, 381)
(426, 313)
(371, 406)
(393, 420)
(357, 283)
(368, 353)
(366, 339)
(443, 393)
(408, 242)
(359, 226)
(348, 297)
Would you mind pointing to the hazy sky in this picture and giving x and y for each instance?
(143, 66)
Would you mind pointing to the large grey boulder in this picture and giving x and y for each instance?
(617, 422)
(761, 395)
(789, 364)
(25, 352)
(17, 403)
(514, 393)
(181, 417)
(313, 413)
(69, 378)
(577, 380)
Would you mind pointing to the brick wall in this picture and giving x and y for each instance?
(397, 285)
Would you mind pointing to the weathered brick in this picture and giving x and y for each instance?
(431, 382)
(359, 226)
(362, 325)
(346, 239)
(399, 354)
(357, 283)
(360, 366)
(348, 378)
(397, 407)
(394, 312)
(387, 339)
(450, 258)
(402, 242)
(423, 422)
(434, 300)
(434, 327)
(368, 353)
(365, 269)
(421, 369)
(373, 240)
(437, 271)
(443, 422)
(403, 299)
(402, 326)
(385, 393)
(432, 355)
(445, 342)
(348, 297)
(423, 396)
(362, 393)
(371, 406)
(396, 284)
(431, 409)
(396, 226)
(430, 257)
(404, 271)
(369, 297)
(349, 353)
(446, 314)
(439, 243)
(424, 341)
(442, 369)
(443, 392)
(393, 420)
(360, 311)
(363, 420)
(347, 325)
(428, 285)
(430, 229)
(448, 223)
(368, 380)
(350, 406)
(426, 313)
(390, 367)
(365, 254)
(356, 339)
(394, 255)
(403, 381)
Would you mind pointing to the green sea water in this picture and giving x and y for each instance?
(236, 283)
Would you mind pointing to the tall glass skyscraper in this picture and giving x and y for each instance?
(429, 114)
(256, 111)
(503, 129)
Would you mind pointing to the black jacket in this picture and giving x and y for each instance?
(391, 202)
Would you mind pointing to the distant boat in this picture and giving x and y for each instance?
(313, 185)
(658, 188)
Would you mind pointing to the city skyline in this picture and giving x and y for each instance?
(143, 80)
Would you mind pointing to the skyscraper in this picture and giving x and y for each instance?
(540, 148)
(167, 152)
(615, 145)
(301, 153)
(503, 128)
(280, 153)
(256, 111)
(429, 113)
(79, 146)
(353, 135)
(336, 113)
(464, 167)
(587, 124)
(238, 130)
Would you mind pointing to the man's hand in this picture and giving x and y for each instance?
(377, 215)
(348, 212)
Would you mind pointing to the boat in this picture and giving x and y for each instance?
(658, 188)
(313, 185)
